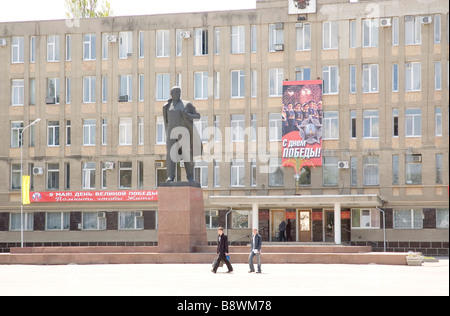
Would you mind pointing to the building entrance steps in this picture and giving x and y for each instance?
(272, 254)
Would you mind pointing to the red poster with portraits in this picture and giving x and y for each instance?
(302, 124)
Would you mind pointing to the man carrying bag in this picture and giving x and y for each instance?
(222, 251)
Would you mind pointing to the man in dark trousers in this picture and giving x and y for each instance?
(255, 251)
(222, 250)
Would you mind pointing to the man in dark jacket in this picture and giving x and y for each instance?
(222, 251)
(255, 251)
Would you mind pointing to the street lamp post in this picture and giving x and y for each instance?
(21, 178)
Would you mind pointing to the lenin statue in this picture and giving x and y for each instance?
(182, 140)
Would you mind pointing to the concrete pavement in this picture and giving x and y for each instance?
(197, 280)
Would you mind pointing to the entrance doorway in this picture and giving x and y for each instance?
(277, 216)
(304, 226)
(329, 225)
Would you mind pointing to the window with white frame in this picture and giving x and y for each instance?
(162, 43)
(88, 176)
(413, 169)
(68, 90)
(413, 29)
(68, 47)
(89, 85)
(330, 76)
(330, 35)
(53, 133)
(53, 48)
(89, 132)
(412, 76)
(212, 219)
(253, 173)
(365, 218)
(370, 77)
(32, 49)
(27, 220)
(216, 172)
(352, 32)
(237, 39)
(394, 77)
(17, 92)
(276, 77)
(201, 173)
(201, 126)
(303, 36)
(253, 38)
(200, 41)
(330, 171)
(370, 32)
(438, 121)
(237, 173)
(371, 170)
(125, 174)
(125, 131)
(395, 30)
(140, 130)
(437, 28)
(276, 173)
(126, 86)
(68, 133)
(216, 40)
(104, 176)
(16, 181)
(16, 130)
(237, 127)
(94, 220)
(179, 43)
(437, 75)
(141, 88)
(17, 50)
(89, 46)
(439, 169)
(442, 218)
(201, 85)
(330, 125)
(105, 48)
(104, 131)
(140, 174)
(216, 85)
(53, 176)
(141, 44)
(408, 219)
(104, 89)
(275, 127)
(162, 87)
(53, 90)
(131, 220)
(413, 122)
(276, 36)
(125, 45)
(352, 79)
(371, 126)
(254, 83)
(353, 123)
(160, 131)
(395, 170)
(237, 83)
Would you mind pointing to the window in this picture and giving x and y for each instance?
(237, 127)
(17, 50)
(414, 169)
(27, 221)
(253, 38)
(67, 176)
(16, 130)
(330, 171)
(395, 31)
(212, 219)
(365, 218)
(179, 43)
(88, 179)
(53, 89)
(141, 88)
(412, 77)
(352, 33)
(240, 219)
(217, 131)
(437, 28)
(216, 172)
(394, 122)
(395, 78)
(33, 91)
(437, 75)
(53, 133)
(162, 87)
(68, 90)
(254, 127)
(395, 170)
(52, 176)
(217, 40)
(370, 78)
(303, 32)
(68, 47)
(89, 132)
(104, 131)
(200, 42)
(442, 218)
(17, 92)
(305, 177)
(201, 126)
(141, 44)
(370, 32)
(53, 48)
(216, 85)
(237, 84)
(411, 218)
(370, 124)
(162, 43)
(89, 47)
(413, 30)
(140, 174)
(125, 173)
(438, 121)
(330, 77)
(131, 220)
(302, 73)
(352, 79)
(371, 170)
(16, 181)
(126, 86)
(68, 133)
(354, 171)
(276, 77)
(330, 35)
(125, 45)
(201, 85)
(353, 124)
(201, 173)
(105, 48)
(276, 36)
(253, 173)
(254, 83)
(274, 127)
(125, 131)
(89, 89)
(237, 173)
(104, 176)
(104, 89)
(439, 170)
(94, 221)
(32, 49)
(160, 131)
(413, 123)
(331, 125)
(276, 173)
(237, 39)
(140, 131)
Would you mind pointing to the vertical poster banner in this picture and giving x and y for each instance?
(302, 124)
(25, 190)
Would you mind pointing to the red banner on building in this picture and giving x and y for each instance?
(302, 124)
(93, 196)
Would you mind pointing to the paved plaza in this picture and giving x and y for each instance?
(197, 280)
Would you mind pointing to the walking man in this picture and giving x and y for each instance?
(222, 251)
(255, 251)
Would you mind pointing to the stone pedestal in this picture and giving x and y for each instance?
(181, 217)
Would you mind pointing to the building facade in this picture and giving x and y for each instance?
(98, 87)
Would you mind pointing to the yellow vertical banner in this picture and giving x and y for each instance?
(25, 190)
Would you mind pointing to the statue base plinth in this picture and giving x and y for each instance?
(181, 217)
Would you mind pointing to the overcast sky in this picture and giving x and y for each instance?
(30, 10)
